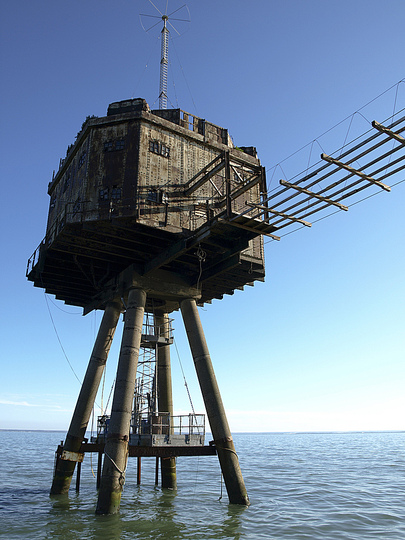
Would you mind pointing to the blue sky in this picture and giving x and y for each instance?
(320, 345)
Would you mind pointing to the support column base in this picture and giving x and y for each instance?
(65, 468)
(168, 472)
(113, 479)
(229, 461)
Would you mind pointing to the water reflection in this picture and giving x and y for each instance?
(232, 526)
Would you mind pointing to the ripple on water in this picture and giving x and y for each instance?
(302, 486)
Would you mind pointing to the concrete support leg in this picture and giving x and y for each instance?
(165, 395)
(116, 448)
(228, 458)
(85, 402)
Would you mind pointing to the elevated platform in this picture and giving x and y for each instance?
(139, 452)
(148, 451)
(84, 259)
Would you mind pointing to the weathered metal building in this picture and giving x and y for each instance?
(159, 190)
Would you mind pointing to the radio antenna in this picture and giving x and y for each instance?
(164, 40)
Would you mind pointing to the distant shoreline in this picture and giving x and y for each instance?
(238, 432)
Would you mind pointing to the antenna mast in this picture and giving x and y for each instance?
(163, 64)
(167, 19)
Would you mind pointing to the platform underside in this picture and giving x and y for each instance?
(150, 451)
(84, 257)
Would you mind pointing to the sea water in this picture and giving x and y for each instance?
(301, 486)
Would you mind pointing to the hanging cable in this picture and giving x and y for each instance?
(60, 343)
(182, 71)
(396, 86)
(335, 212)
(151, 53)
(122, 473)
(102, 391)
(63, 310)
(220, 497)
(91, 436)
(184, 378)
(109, 397)
(201, 255)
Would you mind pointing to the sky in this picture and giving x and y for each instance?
(320, 346)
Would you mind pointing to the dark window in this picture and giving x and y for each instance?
(116, 193)
(154, 146)
(153, 196)
(157, 196)
(82, 159)
(110, 146)
(164, 150)
(66, 183)
(103, 194)
(159, 148)
(53, 202)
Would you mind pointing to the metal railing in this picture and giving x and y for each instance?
(166, 424)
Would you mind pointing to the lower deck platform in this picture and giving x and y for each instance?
(163, 452)
(150, 451)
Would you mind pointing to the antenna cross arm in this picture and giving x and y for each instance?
(329, 159)
(392, 134)
(276, 213)
(312, 194)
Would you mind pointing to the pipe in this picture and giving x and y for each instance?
(165, 395)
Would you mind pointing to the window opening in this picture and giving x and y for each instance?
(82, 159)
(66, 183)
(103, 194)
(159, 148)
(115, 193)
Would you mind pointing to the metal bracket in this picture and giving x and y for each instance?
(72, 456)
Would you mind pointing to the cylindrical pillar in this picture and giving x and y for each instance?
(85, 402)
(228, 458)
(116, 447)
(138, 471)
(165, 394)
(78, 474)
(99, 465)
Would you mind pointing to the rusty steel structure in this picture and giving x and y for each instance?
(153, 191)
(153, 211)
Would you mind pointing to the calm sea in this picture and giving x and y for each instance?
(301, 486)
